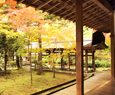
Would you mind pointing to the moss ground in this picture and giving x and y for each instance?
(18, 82)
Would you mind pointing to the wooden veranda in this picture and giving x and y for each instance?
(97, 14)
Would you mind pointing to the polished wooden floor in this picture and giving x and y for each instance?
(101, 84)
(107, 88)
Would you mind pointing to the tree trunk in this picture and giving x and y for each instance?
(40, 56)
(6, 59)
(17, 62)
(53, 71)
(13, 56)
(20, 60)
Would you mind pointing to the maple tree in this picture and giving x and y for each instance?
(33, 23)
(9, 3)
(30, 21)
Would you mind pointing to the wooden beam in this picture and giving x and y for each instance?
(70, 11)
(112, 29)
(45, 3)
(89, 9)
(56, 4)
(103, 4)
(20, 1)
(97, 18)
(64, 4)
(79, 48)
(88, 6)
(71, 17)
(86, 2)
(68, 14)
(66, 11)
(32, 2)
(97, 22)
(58, 9)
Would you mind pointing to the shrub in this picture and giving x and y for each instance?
(90, 64)
(97, 63)
(102, 63)
(59, 62)
(12, 63)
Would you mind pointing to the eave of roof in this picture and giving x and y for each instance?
(96, 13)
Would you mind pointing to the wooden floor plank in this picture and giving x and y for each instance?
(101, 84)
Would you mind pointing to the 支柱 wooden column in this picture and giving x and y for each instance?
(68, 61)
(79, 48)
(86, 60)
(49, 58)
(62, 62)
(112, 29)
(93, 61)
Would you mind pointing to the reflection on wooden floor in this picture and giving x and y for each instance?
(101, 84)
(106, 87)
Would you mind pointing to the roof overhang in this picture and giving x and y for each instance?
(96, 13)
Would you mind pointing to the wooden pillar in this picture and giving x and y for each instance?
(86, 60)
(62, 62)
(79, 48)
(93, 61)
(68, 62)
(49, 58)
(112, 27)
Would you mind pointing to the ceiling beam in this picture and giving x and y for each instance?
(32, 2)
(56, 4)
(20, 1)
(58, 9)
(66, 11)
(103, 4)
(68, 14)
(64, 4)
(89, 10)
(88, 6)
(42, 5)
(73, 11)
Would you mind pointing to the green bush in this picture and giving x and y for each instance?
(97, 63)
(102, 63)
(90, 64)
(2, 63)
(59, 62)
(12, 63)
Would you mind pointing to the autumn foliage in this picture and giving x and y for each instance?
(11, 3)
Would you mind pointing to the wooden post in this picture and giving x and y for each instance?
(112, 19)
(62, 62)
(68, 61)
(86, 60)
(93, 61)
(49, 58)
(79, 48)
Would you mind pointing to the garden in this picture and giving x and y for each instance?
(35, 46)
